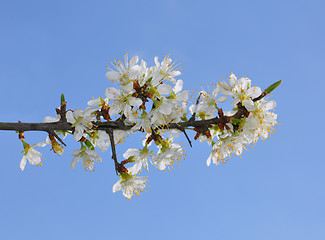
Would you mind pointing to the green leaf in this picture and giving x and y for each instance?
(272, 87)
(131, 159)
(62, 98)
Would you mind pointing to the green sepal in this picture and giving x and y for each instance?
(235, 121)
(172, 96)
(89, 145)
(242, 123)
(102, 101)
(144, 114)
(145, 149)
(184, 118)
(157, 103)
(25, 145)
(149, 79)
(215, 128)
(202, 115)
(164, 145)
(125, 176)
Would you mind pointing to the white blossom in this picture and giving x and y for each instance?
(166, 157)
(81, 120)
(30, 154)
(122, 103)
(164, 70)
(87, 156)
(129, 185)
(139, 157)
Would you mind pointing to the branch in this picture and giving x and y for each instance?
(46, 127)
(119, 168)
(118, 124)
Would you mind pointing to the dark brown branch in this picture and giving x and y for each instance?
(23, 127)
(119, 168)
(260, 96)
(188, 139)
(118, 124)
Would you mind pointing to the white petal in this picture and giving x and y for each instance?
(135, 101)
(78, 113)
(49, 119)
(232, 79)
(164, 89)
(74, 162)
(209, 159)
(135, 168)
(128, 87)
(156, 61)
(33, 156)
(88, 111)
(216, 92)
(254, 92)
(134, 60)
(165, 108)
(251, 123)
(183, 96)
(23, 163)
(115, 110)
(131, 152)
(41, 144)
(77, 135)
(221, 99)
(112, 93)
(249, 104)
(48, 141)
(193, 108)
(76, 152)
(113, 76)
(94, 155)
(267, 105)
(178, 87)
(117, 186)
(93, 102)
(70, 117)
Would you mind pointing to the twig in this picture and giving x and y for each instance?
(188, 139)
(53, 133)
(119, 168)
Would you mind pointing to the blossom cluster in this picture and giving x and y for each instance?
(150, 100)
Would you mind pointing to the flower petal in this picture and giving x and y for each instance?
(164, 89)
(23, 163)
(112, 93)
(178, 87)
(113, 76)
(135, 101)
(70, 117)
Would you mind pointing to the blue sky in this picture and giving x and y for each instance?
(276, 191)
